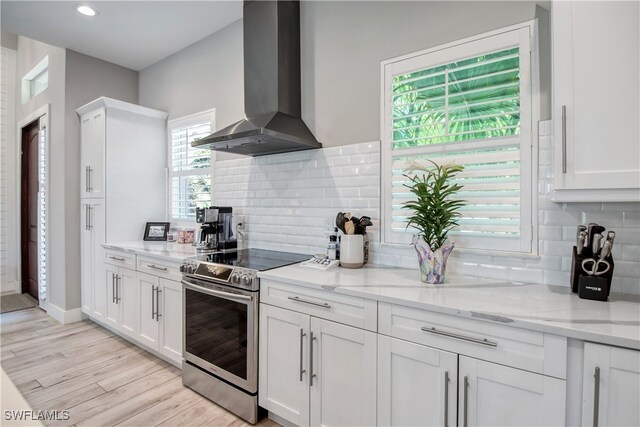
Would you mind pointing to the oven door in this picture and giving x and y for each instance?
(221, 331)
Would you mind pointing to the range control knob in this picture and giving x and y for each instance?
(235, 278)
(183, 268)
(245, 280)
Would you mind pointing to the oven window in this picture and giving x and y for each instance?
(216, 331)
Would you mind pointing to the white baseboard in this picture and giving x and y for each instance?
(9, 286)
(64, 316)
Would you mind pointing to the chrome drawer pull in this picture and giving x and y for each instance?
(311, 374)
(116, 258)
(155, 267)
(297, 299)
(482, 341)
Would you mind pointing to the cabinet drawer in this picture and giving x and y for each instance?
(520, 348)
(115, 257)
(160, 268)
(353, 311)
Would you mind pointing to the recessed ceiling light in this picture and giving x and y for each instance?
(86, 10)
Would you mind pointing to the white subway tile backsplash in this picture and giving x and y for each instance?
(287, 198)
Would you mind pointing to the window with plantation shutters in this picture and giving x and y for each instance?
(467, 103)
(190, 169)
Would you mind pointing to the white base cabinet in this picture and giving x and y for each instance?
(314, 371)
(496, 395)
(611, 386)
(416, 384)
(122, 299)
(160, 315)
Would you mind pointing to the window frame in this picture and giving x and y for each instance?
(186, 121)
(450, 52)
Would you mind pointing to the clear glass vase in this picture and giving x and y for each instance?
(432, 263)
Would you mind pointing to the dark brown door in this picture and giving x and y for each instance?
(29, 209)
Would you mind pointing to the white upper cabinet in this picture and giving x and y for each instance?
(596, 107)
(92, 135)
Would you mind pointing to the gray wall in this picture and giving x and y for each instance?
(9, 40)
(342, 46)
(87, 78)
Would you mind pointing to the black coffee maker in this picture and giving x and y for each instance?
(216, 229)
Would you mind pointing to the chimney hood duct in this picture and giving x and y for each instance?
(273, 121)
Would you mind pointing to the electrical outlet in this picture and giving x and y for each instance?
(241, 220)
(329, 224)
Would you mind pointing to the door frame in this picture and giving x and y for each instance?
(43, 114)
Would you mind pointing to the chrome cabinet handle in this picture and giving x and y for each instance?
(153, 299)
(118, 282)
(113, 288)
(297, 299)
(116, 258)
(596, 397)
(446, 398)
(226, 295)
(90, 169)
(564, 139)
(89, 223)
(302, 335)
(464, 409)
(86, 218)
(311, 374)
(155, 267)
(86, 179)
(158, 303)
(482, 341)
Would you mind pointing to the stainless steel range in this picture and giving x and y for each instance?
(220, 344)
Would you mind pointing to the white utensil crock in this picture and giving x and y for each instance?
(351, 251)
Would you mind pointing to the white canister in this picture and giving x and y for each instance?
(351, 251)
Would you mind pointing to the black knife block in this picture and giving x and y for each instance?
(585, 285)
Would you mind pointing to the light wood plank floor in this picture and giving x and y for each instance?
(100, 378)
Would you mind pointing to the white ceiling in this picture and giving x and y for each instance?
(134, 34)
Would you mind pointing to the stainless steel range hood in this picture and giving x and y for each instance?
(273, 121)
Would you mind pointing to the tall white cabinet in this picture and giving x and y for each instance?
(122, 176)
(596, 100)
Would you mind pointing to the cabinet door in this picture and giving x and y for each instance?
(343, 375)
(149, 326)
(87, 261)
(113, 308)
(496, 395)
(86, 153)
(417, 385)
(170, 313)
(595, 60)
(92, 137)
(97, 230)
(613, 397)
(284, 372)
(129, 301)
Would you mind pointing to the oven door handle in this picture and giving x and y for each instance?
(221, 294)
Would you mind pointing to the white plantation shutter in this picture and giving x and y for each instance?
(468, 104)
(190, 169)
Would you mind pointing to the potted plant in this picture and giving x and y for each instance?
(434, 214)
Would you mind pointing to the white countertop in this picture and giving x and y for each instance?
(171, 251)
(552, 309)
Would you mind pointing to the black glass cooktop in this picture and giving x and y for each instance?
(254, 259)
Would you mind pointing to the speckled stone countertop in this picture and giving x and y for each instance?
(552, 309)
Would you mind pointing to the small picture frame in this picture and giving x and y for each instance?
(156, 231)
